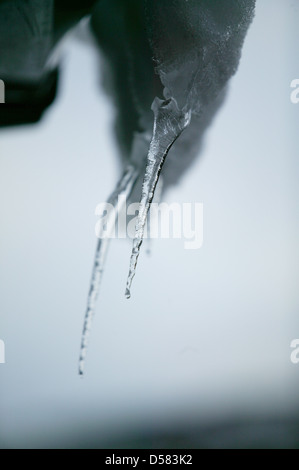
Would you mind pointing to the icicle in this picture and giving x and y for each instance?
(169, 123)
(123, 188)
(157, 199)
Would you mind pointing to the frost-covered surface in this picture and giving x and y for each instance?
(197, 45)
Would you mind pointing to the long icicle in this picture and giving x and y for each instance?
(123, 188)
(169, 123)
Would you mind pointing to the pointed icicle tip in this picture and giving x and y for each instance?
(81, 369)
(128, 293)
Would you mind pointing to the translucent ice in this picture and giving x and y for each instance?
(168, 125)
(123, 188)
